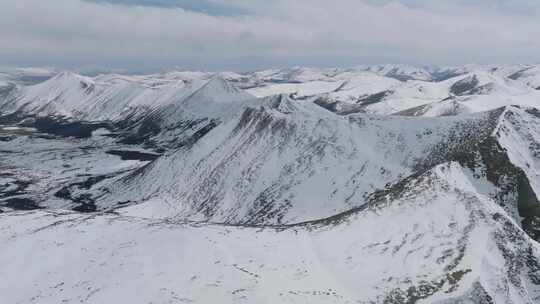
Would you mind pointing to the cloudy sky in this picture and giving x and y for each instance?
(252, 34)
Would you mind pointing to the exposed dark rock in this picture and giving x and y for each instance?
(139, 132)
(64, 127)
(133, 155)
(11, 118)
(340, 108)
(482, 90)
(85, 202)
(145, 131)
(191, 140)
(374, 98)
(439, 76)
(420, 110)
(55, 125)
(463, 86)
(331, 106)
(528, 207)
(423, 290)
(415, 111)
(518, 74)
(20, 187)
(395, 73)
(20, 203)
(7, 138)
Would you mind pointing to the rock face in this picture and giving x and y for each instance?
(311, 196)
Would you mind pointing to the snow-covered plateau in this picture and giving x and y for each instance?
(371, 184)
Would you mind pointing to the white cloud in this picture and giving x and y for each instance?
(73, 32)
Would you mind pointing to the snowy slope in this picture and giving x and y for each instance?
(499, 70)
(360, 87)
(478, 92)
(347, 91)
(406, 95)
(473, 104)
(293, 75)
(436, 240)
(140, 107)
(400, 72)
(301, 89)
(290, 161)
(84, 98)
(189, 115)
(529, 76)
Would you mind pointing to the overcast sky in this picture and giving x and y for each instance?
(251, 34)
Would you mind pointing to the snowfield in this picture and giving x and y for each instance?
(372, 184)
(438, 240)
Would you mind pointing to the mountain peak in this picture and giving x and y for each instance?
(220, 90)
(68, 78)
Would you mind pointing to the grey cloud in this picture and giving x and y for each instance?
(203, 6)
(274, 33)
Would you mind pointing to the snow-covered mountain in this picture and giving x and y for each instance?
(288, 161)
(478, 92)
(528, 75)
(91, 99)
(370, 89)
(139, 106)
(115, 97)
(372, 184)
(434, 239)
(400, 72)
(198, 109)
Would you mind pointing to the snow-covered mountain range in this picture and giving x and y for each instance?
(372, 184)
